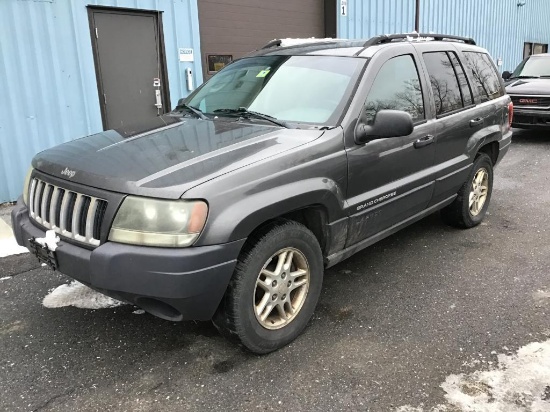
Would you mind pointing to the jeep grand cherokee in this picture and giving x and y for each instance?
(283, 164)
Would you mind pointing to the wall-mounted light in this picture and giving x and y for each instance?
(521, 3)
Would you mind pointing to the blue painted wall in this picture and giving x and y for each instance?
(48, 89)
(500, 26)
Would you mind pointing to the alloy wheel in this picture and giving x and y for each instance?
(281, 288)
(479, 191)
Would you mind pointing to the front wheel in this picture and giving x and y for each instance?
(471, 204)
(274, 289)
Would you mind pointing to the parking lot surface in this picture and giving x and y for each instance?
(393, 323)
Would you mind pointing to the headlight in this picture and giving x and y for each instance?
(26, 186)
(154, 222)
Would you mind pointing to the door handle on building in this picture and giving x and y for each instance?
(158, 99)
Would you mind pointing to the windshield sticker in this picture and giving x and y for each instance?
(264, 72)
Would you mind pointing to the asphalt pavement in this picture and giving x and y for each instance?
(392, 323)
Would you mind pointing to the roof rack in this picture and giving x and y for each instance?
(437, 37)
(272, 43)
(388, 38)
(291, 42)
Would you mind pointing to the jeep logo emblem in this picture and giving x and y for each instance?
(528, 101)
(68, 173)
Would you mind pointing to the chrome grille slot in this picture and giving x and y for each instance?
(71, 214)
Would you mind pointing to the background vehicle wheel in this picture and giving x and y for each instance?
(470, 206)
(274, 289)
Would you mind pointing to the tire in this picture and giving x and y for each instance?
(461, 213)
(240, 316)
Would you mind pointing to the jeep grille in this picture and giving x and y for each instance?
(70, 214)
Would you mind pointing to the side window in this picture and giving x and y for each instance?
(462, 80)
(397, 87)
(444, 82)
(484, 76)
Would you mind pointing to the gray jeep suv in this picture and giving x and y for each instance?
(284, 163)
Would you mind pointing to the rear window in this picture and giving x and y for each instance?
(484, 76)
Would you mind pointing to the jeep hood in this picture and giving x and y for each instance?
(528, 86)
(167, 156)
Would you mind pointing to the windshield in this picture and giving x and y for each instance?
(533, 67)
(300, 89)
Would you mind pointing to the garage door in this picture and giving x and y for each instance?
(231, 28)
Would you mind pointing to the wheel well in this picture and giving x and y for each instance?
(491, 149)
(313, 217)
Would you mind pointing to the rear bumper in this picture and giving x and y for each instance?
(174, 284)
(531, 119)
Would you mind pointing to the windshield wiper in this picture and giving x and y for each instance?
(193, 110)
(525, 77)
(244, 112)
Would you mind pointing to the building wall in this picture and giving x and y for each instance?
(500, 26)
(47, 77)
(48, 82)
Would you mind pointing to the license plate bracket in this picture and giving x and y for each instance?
(44, 254)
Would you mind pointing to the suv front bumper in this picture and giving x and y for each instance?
(171, 283)
(531, 119)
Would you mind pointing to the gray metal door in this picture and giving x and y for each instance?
(129, 60)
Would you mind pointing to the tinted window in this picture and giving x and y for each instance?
(396, 87)
(462, 80)
(484, 75)
(444, 83)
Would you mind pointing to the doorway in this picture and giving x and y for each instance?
(130, 65)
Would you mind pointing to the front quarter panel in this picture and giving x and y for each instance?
(314, 174)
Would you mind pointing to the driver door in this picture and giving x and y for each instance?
(389, 180)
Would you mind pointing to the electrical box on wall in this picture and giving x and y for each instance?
(189, 78)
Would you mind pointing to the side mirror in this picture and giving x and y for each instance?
(387, 123)
(506, 75)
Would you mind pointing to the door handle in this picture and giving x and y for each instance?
(158, 99)
(423, 141)
(477, 121)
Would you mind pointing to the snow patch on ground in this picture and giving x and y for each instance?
(520, 383)
(79, 295)
(10, 247)
(8, 244)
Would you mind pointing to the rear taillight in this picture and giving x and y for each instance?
(510, 113)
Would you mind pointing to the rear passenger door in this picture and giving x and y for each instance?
(456, 118)
(487, 88)
(389, 179)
